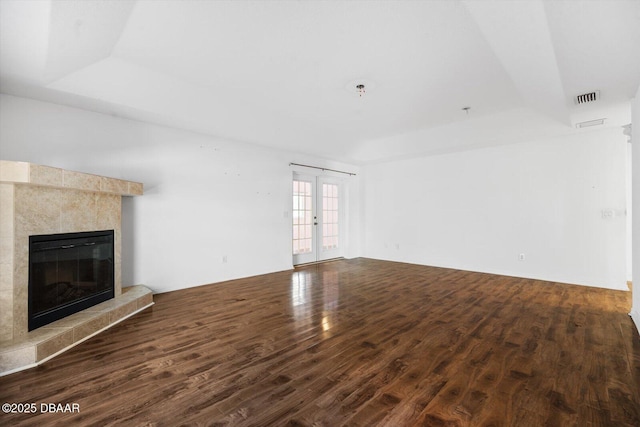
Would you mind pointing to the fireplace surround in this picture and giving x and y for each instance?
(38, 200)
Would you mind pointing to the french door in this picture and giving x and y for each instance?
(317, 218)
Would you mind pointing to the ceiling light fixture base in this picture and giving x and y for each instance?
(360, 87)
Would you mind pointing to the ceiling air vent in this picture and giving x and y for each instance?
(590, 123)
(586, 98)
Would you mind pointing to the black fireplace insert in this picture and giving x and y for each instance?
(68, 273)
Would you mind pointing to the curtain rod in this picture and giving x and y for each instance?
(323, 169)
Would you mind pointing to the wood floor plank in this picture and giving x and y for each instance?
(355, 343)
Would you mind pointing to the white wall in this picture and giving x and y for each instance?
(474, 210)
(205, 198)
(635, 149)
(478, 210)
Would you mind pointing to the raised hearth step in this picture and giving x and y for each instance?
(48, 341)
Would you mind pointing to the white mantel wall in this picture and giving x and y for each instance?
(205, 198)
(479, 210)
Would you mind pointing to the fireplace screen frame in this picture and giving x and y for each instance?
(50, 315)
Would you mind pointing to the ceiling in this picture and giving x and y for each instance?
(283, 73)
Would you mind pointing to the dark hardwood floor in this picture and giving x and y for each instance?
(357, 342)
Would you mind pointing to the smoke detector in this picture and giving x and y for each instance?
(587, 98)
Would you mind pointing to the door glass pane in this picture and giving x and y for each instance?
(330, 216)
(302, 216)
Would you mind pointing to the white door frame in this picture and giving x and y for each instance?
(330, 253)
(318, 252)
(303, 222)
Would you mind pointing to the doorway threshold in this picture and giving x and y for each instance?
(306, 264)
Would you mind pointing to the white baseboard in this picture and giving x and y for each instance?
(635, 316)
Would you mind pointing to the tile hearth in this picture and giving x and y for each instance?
(40, 345)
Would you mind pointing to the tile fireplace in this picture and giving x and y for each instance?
(38, 204)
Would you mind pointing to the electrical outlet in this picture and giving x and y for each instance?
(224, 259)
(521, 257)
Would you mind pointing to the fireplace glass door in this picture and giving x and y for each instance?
(68, 273)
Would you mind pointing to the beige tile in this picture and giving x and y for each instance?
(54, 345)
(14, 171)
(21, 253)
(135, 291)
(82, 324)
(145, 300)
(20, 263)
(122, 311)
(109, 207)
(69, 321)
(46, 175)
(113, 185)
(117, 280)
(6, 261)
(6, 333)
(6, 210)
(6, 250)
(103, 307)
(6, 314)
(20, 302)
(140, 294)
(17, 357)
(20, 328)
(81, 181)
(6, 302)
(43, 334)
(117, 250)
(90, 327)
(78, 211)
(37, 210)
(6, 276)
(135, 188)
